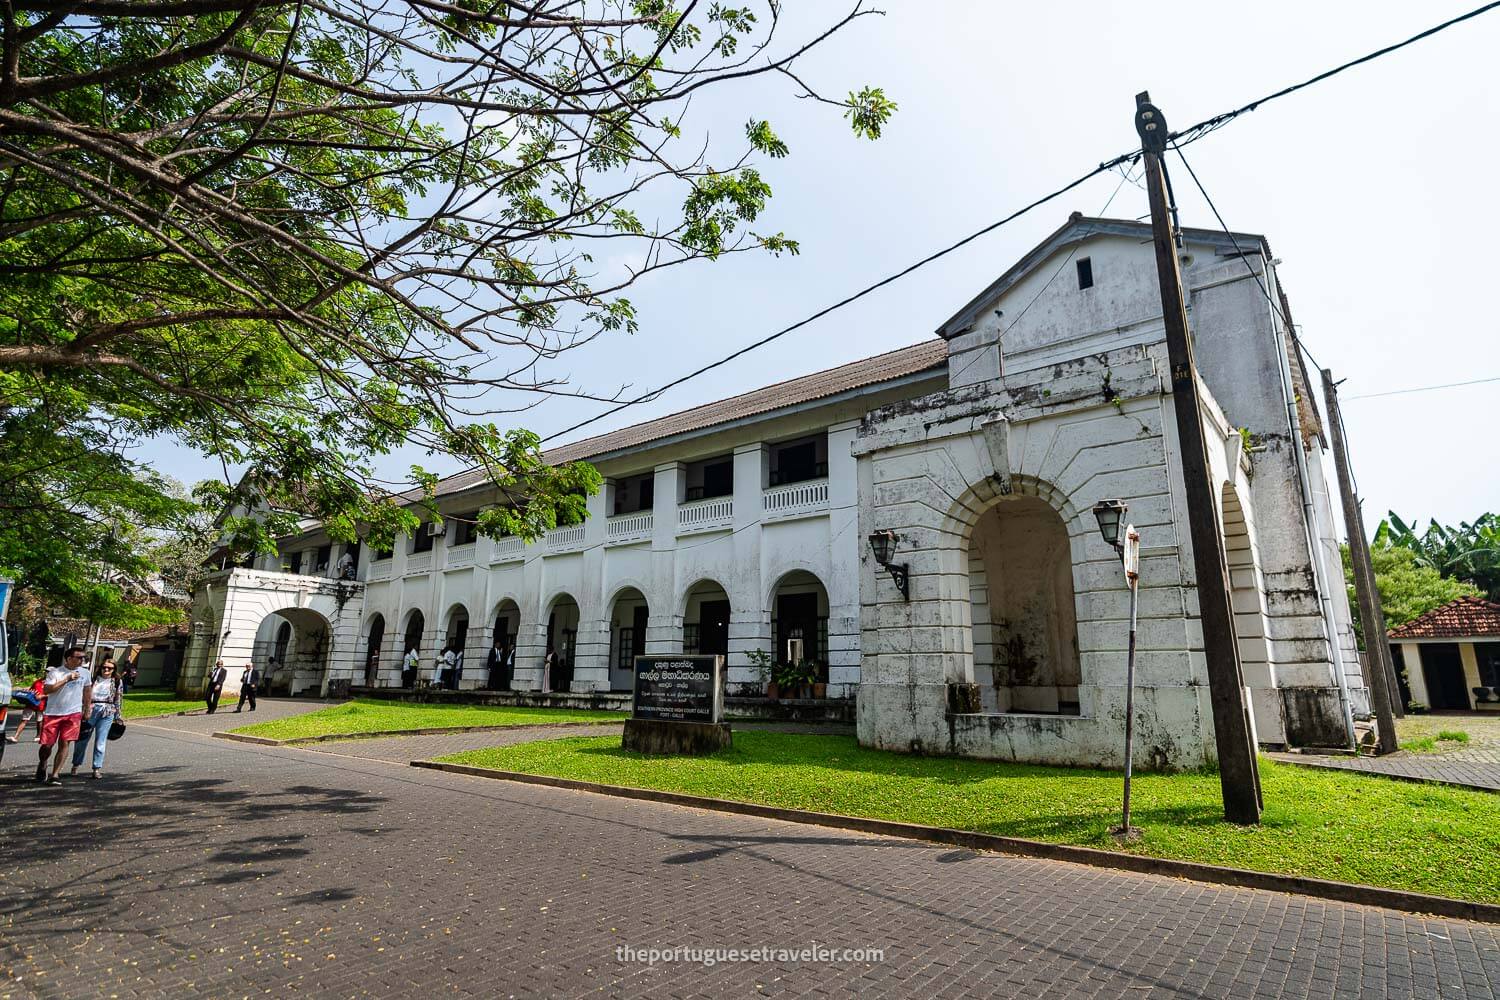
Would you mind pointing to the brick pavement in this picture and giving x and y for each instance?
(202, 867)
(1475, 764)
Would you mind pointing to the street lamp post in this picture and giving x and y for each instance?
(1109, 514)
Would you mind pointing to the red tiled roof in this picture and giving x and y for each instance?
(819, 385)
(1460, 619)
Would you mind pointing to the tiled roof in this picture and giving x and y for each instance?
(819, 385)
(1460, 619)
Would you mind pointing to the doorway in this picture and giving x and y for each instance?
(1443, 669)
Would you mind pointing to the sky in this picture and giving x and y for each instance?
(1375, 190)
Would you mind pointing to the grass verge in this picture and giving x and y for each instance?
(1321, 824)
(374, 716)
(1431, 742)
(141, 702)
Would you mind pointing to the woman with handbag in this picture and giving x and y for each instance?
(106, 708)
(34, 702)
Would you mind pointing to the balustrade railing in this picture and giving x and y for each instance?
(622, 527)
(797, 498)
(508, 550)
(705, 515)
(565, 538)
(419, 562)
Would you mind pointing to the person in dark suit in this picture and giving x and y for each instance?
(248, 683)
(215, 685)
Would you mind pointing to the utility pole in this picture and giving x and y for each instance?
(1364, 578)
(1238, 778)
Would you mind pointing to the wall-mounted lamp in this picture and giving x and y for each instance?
(883, 544)
(1109, 514)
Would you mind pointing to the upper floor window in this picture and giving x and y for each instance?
(1085, 273)
(635, 493)
(321, 558)
(423, 539)
(799, 460)
(465, 528)
(712, 477)
(294, 562)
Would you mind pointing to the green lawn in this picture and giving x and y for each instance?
(156, 701)
(1325, 824)
(370, 715)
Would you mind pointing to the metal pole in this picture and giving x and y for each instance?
(1133, 579)
(1239, 780)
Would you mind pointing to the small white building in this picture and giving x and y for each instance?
(1451, 656)
(742, 525)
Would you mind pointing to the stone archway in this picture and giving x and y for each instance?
(1025, 627)
(706, 613)
(799, 621)
(561, 649)
(628, 620)
(293, 648)
(374, 641)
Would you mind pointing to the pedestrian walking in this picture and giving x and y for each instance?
(444, 668)
(216, 678)
(105, 708)
(34, 700)
(248, 683)
(458, 667)
(68, 688)
(496, 664)
(129, 670)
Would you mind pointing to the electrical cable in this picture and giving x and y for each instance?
(1108, 165)
(1422, 388)
(1178, 139)
(1195, 132)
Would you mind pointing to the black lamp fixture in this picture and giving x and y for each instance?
(1109, 514)
(883, 544)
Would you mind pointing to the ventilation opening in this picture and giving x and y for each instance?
(1085, 273)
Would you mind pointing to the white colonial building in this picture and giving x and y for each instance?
(742, 525)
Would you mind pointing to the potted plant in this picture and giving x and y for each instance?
(761, 662)
(815, 671)
(788, 679)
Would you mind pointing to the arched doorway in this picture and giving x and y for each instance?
(799, 622)
(411, 642)
(452, 654)
(705, 620)
(374, 639)
(1024, 618)
(562, 643)
(627, 637)
(1251, 630)
(501, 659)
(291, 648)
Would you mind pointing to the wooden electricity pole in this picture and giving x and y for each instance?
(1238, 777)
(1370, 615)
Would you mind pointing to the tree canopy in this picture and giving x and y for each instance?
(1407, 588)
(299, 234)
(1469, 552)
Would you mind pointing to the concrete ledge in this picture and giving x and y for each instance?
(266, 741)
(1343, 892)
(613, 701)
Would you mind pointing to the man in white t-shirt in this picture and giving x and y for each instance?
(409, 667)
(69, 690)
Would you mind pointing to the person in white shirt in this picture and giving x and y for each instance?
(69, 689)
(443, 669)
(105, 706)
(409, 667)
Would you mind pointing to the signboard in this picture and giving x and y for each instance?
(678, 688)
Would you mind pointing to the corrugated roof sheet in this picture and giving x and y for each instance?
(820, 385)
(1461, 619)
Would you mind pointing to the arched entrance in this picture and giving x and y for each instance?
(799, 622)
(627, 637)
(501, 660)
(374, 639)
(705, 620)
(411, 642)
(562, 644)
(291, 648)
(451, 656)
(1022, 603)
(1247, 597)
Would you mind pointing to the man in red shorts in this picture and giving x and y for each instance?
(68, 688)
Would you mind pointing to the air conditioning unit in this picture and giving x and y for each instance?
(435, 528)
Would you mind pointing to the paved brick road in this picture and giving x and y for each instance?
(208, 868)
(1475, 763)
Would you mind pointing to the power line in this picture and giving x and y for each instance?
(1189, 135)
(1104, 167)
(1195, 132)
(1423, 388)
